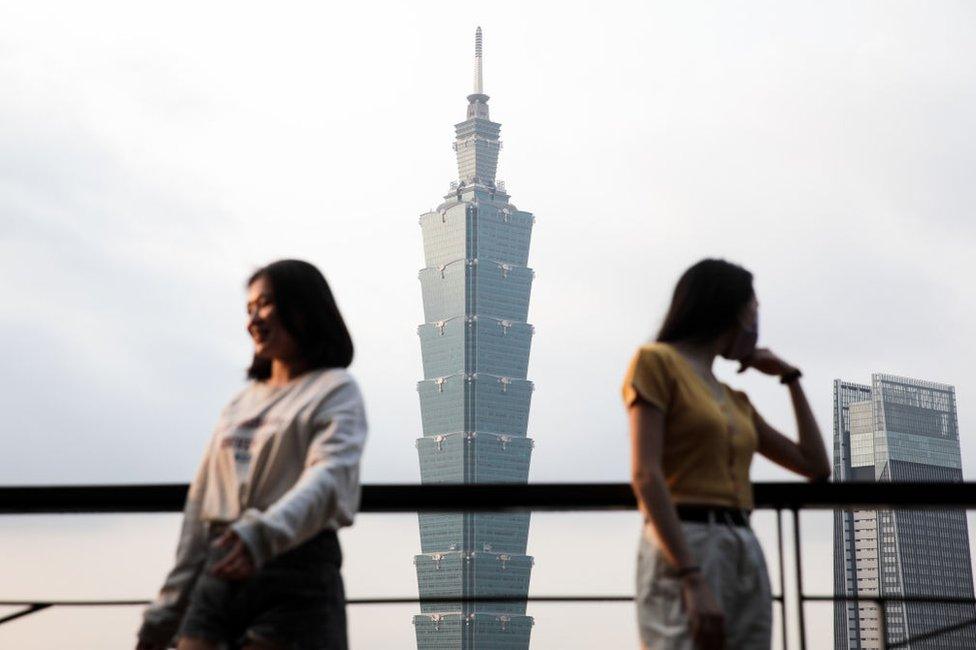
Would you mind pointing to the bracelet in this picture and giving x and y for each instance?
(686, 571)
(790, 376)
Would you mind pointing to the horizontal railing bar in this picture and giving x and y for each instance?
(496, 497)
(491, 599)
(931, 634)
(407, 600)
(71, 603)
(404, 600)
(942, 600)
(31, 608)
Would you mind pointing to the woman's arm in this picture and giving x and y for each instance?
(647, 480)
(654, 501)
(162, 617)
(808, 456)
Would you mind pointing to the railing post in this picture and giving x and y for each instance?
(782, 577)
(882, 622)
(800, 599)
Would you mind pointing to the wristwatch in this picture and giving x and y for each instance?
(790, 376)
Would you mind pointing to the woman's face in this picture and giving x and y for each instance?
(743, 339)
(271, 339)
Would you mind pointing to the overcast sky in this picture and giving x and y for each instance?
(151, 156)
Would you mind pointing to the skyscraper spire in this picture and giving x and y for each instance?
(478, 88)
(478, 100)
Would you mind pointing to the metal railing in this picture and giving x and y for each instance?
(391, 498)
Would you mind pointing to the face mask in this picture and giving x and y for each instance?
(744, 344)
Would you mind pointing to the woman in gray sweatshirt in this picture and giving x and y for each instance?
(257, 564)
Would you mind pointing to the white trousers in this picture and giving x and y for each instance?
(732, 564)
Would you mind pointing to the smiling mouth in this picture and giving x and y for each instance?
(259, 334)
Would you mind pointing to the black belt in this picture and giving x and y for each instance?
(719, 514)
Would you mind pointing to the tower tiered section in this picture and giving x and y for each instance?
(474, 397)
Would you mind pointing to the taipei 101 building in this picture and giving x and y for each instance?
(474, 397)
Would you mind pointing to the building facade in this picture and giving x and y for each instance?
(899, 429)
(475, 395)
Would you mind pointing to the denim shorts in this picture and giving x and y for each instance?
(295, 601)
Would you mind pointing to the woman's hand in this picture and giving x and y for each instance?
(237, 564)
(704, 614)
(765, 361)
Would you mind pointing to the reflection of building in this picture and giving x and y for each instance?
(899, 429)
(474, 398)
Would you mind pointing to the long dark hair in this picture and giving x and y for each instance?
(707, 302)
(308, 311)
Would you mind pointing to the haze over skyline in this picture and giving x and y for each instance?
(153, 156)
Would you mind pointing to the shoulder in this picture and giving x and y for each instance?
(657, 349)
(328, 379)
(334, 388)
(655, 355)
(241, 396)
(650, 376)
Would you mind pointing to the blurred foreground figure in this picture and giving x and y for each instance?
(257, 565)
(701, 576)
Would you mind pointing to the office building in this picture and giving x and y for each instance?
(899, 429)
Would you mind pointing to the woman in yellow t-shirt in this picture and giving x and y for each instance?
(701, 577)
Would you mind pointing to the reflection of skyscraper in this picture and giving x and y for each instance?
(899, 429)
(474, 398)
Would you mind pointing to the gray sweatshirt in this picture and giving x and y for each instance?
(282, 465)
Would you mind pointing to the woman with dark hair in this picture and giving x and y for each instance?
(257, 565)
(701, 576)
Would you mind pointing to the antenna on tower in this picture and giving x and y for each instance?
(477, 101)
(478, 89)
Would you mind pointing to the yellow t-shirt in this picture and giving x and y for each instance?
(708, 444)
